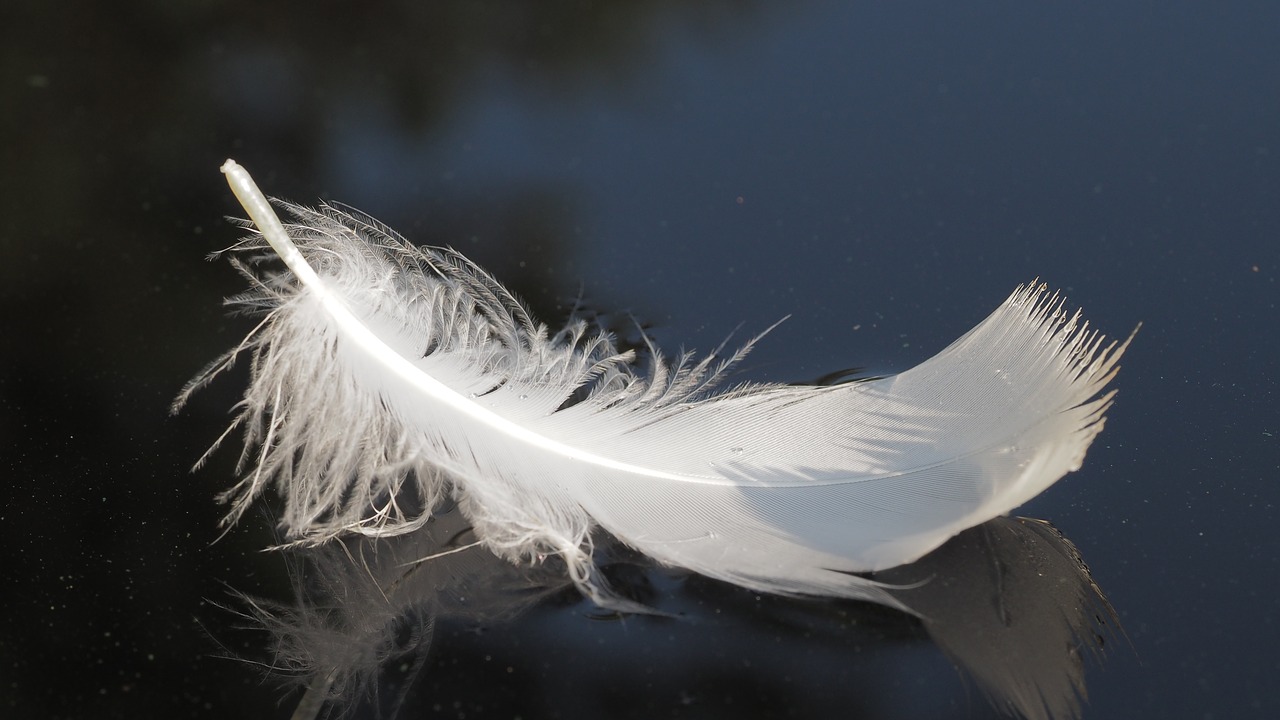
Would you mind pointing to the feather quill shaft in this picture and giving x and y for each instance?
(255, 203)
(387, 377)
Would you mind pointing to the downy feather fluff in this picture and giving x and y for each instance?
(387, 378)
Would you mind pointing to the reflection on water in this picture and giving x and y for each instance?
(364, 603)
(1010, 602)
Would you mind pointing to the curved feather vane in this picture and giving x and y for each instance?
(386, 377)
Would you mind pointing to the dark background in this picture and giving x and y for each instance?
(883, 172)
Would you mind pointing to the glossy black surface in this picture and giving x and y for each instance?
(884, 173)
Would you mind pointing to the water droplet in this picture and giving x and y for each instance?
(736, 450)
(524, 397)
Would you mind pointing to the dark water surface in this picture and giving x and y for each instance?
(883, 173)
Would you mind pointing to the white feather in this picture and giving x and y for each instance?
(386, 377)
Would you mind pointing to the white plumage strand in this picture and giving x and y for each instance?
(382, 371)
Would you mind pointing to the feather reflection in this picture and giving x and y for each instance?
(1010, 602)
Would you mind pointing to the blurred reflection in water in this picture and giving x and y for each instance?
(1010, 602)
